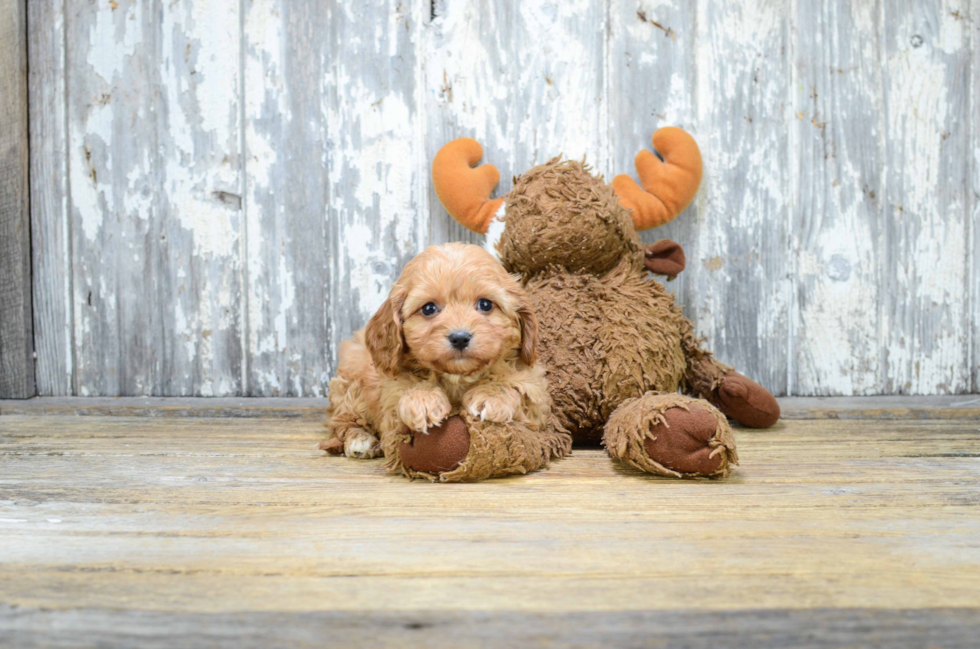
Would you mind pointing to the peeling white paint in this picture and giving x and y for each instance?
(92, 198)
(927, 323)
(119, 28)
(788, 246)
(372, 288)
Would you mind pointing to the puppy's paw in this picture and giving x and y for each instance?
(421, 409)
(496, 404)
(361, 445)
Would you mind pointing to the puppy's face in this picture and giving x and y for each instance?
(454, 310)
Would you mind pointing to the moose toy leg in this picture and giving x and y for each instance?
(464, 449)
(745, 401)
(671, 435)
(737, 396)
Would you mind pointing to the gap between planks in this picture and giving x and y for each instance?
(960, 406)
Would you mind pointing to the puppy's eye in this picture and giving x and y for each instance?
(429, 308)
(484, 305)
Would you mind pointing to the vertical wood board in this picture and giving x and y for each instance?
(155, 197)
(16, 320)
(924, 306)
(527, 80)
(974, 191)
(334, 180)
(50, 226)
(742, 305)
(838, 165)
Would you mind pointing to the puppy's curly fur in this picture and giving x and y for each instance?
(402, 374)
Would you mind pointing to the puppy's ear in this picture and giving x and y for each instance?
(384, 337)
(529, 328)
(529, 335)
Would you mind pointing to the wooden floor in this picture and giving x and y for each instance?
(124, 531)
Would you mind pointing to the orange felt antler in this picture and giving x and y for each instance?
(670, 178)
(464, 190)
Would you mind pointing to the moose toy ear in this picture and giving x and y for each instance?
(670, 179)
(464, 189)
(665, 257)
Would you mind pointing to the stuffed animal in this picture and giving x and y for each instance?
(615, 345)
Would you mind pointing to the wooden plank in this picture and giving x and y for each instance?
(963, 406)
(378, 214)
(16, 320)
(926, 62)
(742, 304)
(960, 406)
(839, 163)
(653, 83)
(974, 221)
(526, 80)
(154, 135)
(313, 408)
(213, 517)
(334, 174)
(50, 225)
(820, 629)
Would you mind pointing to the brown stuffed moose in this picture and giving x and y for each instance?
(616, 347)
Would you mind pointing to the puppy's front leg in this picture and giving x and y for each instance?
(423, 407)
(496, 402)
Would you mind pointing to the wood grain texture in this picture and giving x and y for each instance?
(974, 221)
(197, 520)
(335, 175)
(286, 74)
(155, 197)
(215, 220)
(527, 80)
(838, 166)
(743, 75)
(925, 311)
(761, 629)
(16, 320)
(966, 406)
(50, 225)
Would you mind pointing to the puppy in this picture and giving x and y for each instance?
(456, 335)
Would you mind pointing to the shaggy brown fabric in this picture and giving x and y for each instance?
(439, 450)
(607, 332)
(745, 401)
(665, 257)
(605, 339)
(631, 426)
(495, 450)
(616, 345)
(559, 214)
(703, 373)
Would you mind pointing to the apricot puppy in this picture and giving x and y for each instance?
(456, 335)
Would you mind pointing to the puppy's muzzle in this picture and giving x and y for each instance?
(460, 340)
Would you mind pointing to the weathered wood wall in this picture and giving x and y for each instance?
(16, 320)
(223, 190)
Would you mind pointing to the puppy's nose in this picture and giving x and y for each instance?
(460, 339)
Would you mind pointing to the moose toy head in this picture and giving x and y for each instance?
(560, 214)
